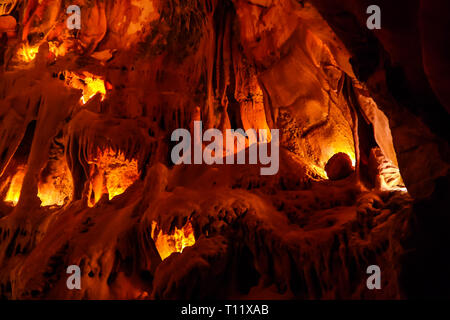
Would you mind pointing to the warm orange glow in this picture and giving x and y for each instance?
(28, 53)
(113, 174)
(89, 83)
(93, 85)
(319, 171)
(166, 244)
(349, 152)
(13, 194)
(353, 160)
(120, 173)
(58, 51)
(57, 190)
(330, 151)
(6, 6)
(344, 148)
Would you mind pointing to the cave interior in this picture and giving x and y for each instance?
(87, 178)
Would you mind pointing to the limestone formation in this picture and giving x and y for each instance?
(86, 179)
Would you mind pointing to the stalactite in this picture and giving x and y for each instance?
(104, 101)
(348, 91)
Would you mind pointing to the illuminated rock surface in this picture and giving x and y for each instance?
(86, 176)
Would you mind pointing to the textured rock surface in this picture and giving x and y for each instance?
(339, 166)
(310, 69)
(396, 65)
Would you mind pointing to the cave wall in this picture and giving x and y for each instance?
(399, 64)
(311, 69)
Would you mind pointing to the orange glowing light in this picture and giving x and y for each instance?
(344, 148)
(353, 160)
(13, 194)
(89, 83)
(93, 86)
(58, 51)
(57, 189)
(120, 172)
(330, 151)
(6, 6)
(351, 155)
(28, 53)
(166, 244)
(113, 174)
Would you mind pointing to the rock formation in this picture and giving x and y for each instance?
(86, 178)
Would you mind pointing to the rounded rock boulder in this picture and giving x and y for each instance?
(339, 166)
